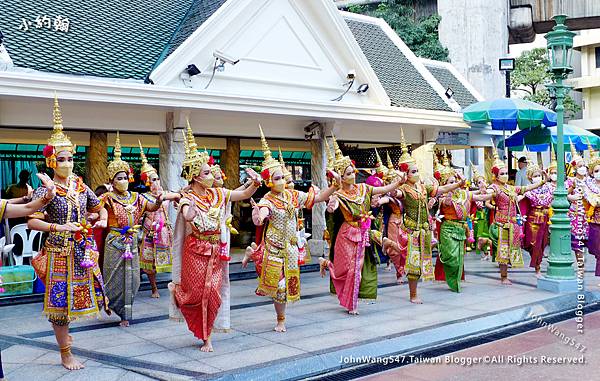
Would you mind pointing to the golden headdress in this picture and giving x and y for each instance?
(497, 164)
(575, 156)
(405, 158)
(380, 169)
(476, 175)
(58, 141)
(341, 162)
(445, 169)
(287, 175)
(330, 157)
(269, 165)
(118, 165)
(532, 167)
(553, 163)
(594, 157)
(146, 168)
(390, 164)
(194, 159)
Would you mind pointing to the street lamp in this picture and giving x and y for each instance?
(560, 275)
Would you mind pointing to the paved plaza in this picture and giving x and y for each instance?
(319, 332)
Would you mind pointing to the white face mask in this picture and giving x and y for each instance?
(597, 175)
(537, 179)
(582, 171)
(553, 176)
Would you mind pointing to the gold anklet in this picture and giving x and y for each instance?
(65, 350)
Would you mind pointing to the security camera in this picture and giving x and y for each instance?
(192, 70)
(351, 74)
(225, 58)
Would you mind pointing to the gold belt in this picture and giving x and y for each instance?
(213, 237)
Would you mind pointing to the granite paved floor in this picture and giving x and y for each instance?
(157, 348)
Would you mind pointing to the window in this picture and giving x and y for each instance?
(597, 56)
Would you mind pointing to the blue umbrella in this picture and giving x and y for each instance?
(508, 113)
(538, 139)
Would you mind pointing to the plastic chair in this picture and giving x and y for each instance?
(28, 237)
(5, 251)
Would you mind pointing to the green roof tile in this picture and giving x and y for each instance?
(116, 39)
(405, 86)
(444, 76)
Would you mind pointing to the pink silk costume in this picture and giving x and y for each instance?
(505, 232)
(537, 232)
(197, 292)
(349, 250)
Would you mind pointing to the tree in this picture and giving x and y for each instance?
(531, 77)
(419, 34)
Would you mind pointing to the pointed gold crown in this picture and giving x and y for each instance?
(575, 156)
(437, 166)
(194, 160)
(380, 169)
(594, 157)
(497, 162)
(269, 165)
(446, 170)
(405, 158)
(341, 162)
(390, 164)
(553, 163)
(118, 165)
(593, 152)
(287, 175)
(532, 167)
(330, 157)
(476, 174)
(58, 140)
(146, 168)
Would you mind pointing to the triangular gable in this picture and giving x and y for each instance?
(407, 82)
(288, 49)
(447, 75)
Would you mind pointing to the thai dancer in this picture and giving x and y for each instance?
(537, 202)
(198, 249)
(278, 258)
(121, 266)
(396, 240)
(67, 263)
(157, 233)
(455, 231)
(575, 187)
(350, 235)
(592, 198)
(481, 217)
(506, 230)
(415, 196)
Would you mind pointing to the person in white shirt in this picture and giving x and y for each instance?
(521, 177)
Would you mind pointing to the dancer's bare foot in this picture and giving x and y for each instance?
(207, 346)
(155, 294)
(416, 300)
(538, 274)
(124, 323)
(280, 327)
(69, 361)
(400, 280)
(353, 312)
(506, 282)
(323, 266)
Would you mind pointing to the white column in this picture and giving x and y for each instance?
(318, 164)
(172, 154)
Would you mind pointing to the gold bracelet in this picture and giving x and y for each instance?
(46, 199)
(53, 228)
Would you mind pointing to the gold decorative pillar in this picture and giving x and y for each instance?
(96, 161)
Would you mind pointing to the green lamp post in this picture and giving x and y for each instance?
(560, 276)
